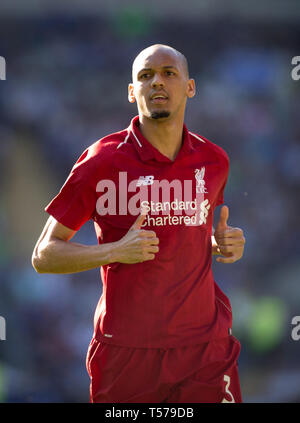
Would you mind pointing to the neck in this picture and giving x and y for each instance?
(165, 135)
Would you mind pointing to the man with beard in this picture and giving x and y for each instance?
(162, 327)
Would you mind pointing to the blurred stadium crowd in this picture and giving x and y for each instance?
(66, 87)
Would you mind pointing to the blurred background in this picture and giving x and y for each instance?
(67, 69)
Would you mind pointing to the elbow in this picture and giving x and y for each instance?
(38, 261)
(36, 264)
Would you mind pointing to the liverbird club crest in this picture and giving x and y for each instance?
(199, 175)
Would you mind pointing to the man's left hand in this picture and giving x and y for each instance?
(230, 241)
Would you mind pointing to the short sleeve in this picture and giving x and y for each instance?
(75, 203)
(224, 172)
(220, 199)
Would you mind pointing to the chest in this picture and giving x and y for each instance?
(181, 193)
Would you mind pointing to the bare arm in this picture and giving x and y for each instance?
(54, 253)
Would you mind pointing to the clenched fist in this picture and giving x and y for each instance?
(137, 245)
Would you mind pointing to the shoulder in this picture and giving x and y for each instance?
(101, 151)
(107, 146)
(199, 142)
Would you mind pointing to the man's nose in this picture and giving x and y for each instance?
(157, 81)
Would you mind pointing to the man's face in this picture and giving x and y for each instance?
(160, 84)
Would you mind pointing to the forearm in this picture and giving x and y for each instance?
(58, 256)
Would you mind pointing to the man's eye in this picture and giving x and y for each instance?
(170, 73)
(145, 75)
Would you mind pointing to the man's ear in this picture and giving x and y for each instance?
(191, 88)
(131, 97)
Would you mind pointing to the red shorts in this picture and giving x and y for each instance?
(206, 373)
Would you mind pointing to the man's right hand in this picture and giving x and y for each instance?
(137, 245)
(54, 253)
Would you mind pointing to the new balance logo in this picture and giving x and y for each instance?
(145, 180)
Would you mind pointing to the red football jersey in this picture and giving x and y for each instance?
(173, 300)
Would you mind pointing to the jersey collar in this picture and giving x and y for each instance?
(147, 151)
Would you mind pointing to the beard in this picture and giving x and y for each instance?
(160, 115)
